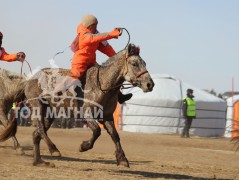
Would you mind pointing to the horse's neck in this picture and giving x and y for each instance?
(112, 73)
(13, 89)
(18, 85)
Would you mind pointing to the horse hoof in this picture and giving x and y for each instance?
(20, 151)
(42, 163)
(121, 159)
(123, 163)
(82, 149)
(85, 146)
(56, 154)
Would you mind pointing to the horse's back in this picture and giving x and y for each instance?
(56, 71)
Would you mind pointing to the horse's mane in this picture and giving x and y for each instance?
(11, 89)
(113, 58)
(132, 50)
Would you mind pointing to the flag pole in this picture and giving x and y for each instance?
(232, 88)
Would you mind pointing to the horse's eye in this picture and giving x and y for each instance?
(134, 64)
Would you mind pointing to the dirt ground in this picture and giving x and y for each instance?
(151, 156)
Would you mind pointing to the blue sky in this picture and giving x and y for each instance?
(196, 41)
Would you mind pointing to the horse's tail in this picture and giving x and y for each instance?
(9, 131)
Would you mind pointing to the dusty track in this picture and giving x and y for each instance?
(151, 156)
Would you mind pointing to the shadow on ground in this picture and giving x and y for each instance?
(162, 175)
(101, 161)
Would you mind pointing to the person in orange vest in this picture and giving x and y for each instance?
(84, 46)
(4, 56)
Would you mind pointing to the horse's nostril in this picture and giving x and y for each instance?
(149, 85)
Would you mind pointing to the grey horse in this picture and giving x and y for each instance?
(98, 93)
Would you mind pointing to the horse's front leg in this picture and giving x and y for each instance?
(86, 145)
(51, 146)
(119, 153)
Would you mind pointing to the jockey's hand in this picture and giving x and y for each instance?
(115, 33)
(120, 30)
(21, 56)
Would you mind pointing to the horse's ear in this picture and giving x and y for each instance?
(137, 50)
(129, 49)
(132, 50)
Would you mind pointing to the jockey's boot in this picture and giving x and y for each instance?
(183, 132)
(64, 85)
(122, 98)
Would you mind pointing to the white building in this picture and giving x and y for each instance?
(160, 110)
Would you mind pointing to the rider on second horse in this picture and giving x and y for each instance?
(87, 41)
(10, 57)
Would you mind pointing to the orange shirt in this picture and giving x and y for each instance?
(7, 57)
(89, 43)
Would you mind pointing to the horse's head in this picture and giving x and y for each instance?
(135, 69)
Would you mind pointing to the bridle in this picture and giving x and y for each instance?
(138, 74)
(122, 85)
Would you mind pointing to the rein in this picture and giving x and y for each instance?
(28, 66)
(119, 85)
(21, 92)
(128, 36)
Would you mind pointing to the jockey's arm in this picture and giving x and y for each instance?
(93, 38)
(7, 57)
(106, 49)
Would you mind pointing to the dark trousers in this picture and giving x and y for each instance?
(23, 121)
(187, 126)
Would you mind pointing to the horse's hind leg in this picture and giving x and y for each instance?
(38, 134)
(86, 145)
(17, 146)
(119, 153)
(51, 146)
